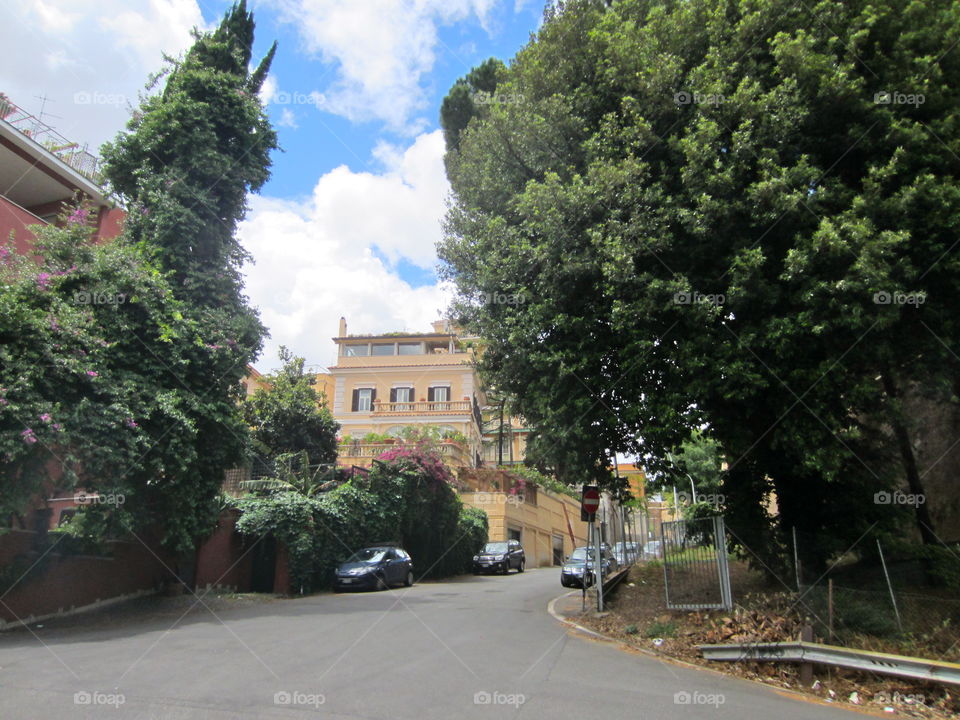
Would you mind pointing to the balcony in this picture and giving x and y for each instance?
(358, 453)
(438, 407)
(70, 153)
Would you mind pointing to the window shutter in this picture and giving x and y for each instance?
(393, 395)
(373, 399)
(356, 401)
(430, 394)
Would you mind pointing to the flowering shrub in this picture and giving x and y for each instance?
(106, 391)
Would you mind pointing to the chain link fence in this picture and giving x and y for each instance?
(843, 615)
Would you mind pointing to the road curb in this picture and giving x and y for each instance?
(786, 692)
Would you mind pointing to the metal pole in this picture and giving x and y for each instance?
(676, 503)
(830, 610)
(796, 559)
(723, 567)
(893, 598)
(583, 580)
(598, 562)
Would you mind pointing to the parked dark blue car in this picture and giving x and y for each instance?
(376, 567)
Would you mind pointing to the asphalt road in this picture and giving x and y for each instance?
(475, 647)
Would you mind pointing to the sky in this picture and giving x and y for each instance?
(348, 223)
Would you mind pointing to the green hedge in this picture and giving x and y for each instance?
(408, 498)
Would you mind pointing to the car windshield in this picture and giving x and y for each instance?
(368, 555)
(495, 547)
(581, 553)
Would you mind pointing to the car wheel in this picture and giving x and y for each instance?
(505, 568)
(409, 581)
(521, 565)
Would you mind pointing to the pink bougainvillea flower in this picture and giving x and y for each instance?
(78, 217)
(57, 426)
(43, 281)
(45, 417)
(92, 373)
(28, 437)
(131, 423)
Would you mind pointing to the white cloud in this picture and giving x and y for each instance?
(380, 49)
(90, 58)
(287, 119)
(314, 259)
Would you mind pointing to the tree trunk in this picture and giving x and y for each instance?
(924, 523)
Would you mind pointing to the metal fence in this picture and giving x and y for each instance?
(695, 564)
(841, 614)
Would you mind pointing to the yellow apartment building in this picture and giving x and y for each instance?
(382, 384)
(547, 524)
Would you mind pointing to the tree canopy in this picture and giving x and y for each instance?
(289, 415)
(733, 212)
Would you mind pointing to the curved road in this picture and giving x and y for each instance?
(474, 647)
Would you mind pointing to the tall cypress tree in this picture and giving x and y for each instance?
(184, 166)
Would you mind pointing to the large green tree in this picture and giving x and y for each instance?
(184, 166)
(290, 416)
(187, 160)
(715, 210)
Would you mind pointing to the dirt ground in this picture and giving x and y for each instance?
(636, 615)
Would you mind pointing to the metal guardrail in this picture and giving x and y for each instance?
(613, 580)
(807, 652)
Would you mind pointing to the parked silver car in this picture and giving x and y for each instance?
(651, 551)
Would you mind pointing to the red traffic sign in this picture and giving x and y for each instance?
(590, 499)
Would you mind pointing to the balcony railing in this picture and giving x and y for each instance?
(77, 157)
(350, 453)
(423, 406)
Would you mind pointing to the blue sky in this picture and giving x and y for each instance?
(349, 219)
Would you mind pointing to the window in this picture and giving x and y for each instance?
(382, 349)
(402, 396)
(356, 350)
(409, 349)
(439, 395)
(363, 399)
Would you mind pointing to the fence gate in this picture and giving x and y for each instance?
(695, 568)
